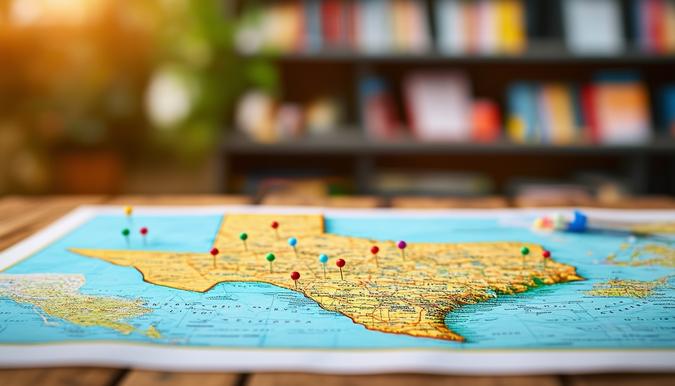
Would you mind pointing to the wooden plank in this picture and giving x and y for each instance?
(490, 202)
(327, 201)
(620, 379)
(641, 202)
(292, 379)
(28, 215)
(65, 376)
(31, 215)
(160, 378)
(540, 202)
(196, 199)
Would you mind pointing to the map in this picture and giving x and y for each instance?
(215, 287)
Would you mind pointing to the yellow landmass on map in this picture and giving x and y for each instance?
(627, 288)
(58, 295)
(646, 255)
(655, 228)
(410, 295)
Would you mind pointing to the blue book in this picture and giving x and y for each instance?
(523, 107)
(667, 109)
(313, 35)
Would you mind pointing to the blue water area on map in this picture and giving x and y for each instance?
(261, 315)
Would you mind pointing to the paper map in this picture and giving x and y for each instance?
(470, 293)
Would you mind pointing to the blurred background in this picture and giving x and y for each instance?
(567, 99)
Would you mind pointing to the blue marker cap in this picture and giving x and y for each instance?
(292, 241)
(323, 258)
(579, 224)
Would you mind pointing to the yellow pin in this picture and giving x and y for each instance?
(128, 210)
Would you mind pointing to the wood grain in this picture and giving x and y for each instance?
(329, 201)
(620, 380)
(203, 199)
(161, 378)
(290, 379)
(644, 202)
(64, 376)
(33, 214)
(448, 202)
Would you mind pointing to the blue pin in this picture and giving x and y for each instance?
(293, 242)
(579, 224)
(323, 259)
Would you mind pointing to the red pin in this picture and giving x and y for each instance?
(144, 232)
(340, 263)
(275, 226)
(374, 250)
(546, 254)
(214, 252)
(295, 276)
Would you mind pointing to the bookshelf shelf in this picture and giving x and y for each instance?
(542, 54)
(354, 144)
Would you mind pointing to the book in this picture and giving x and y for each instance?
(332, 24)
(667, 109)
(312, 23)
(380, 120)
(621, 107)
(485, 121)
(523, 121)
(373, 26)
(558, 115)
(511, 19)
(450, 23)
(487, 20)
(439, 105)
(593, 27)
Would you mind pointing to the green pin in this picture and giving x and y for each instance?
(524, 251)
(270, 257)
(126, 232)
(243, 237)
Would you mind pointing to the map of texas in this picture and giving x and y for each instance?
(404, 294)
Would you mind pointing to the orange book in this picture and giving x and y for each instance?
(622, 112)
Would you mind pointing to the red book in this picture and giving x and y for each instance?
(351, 9)
(590, 113)
(656, 28)
(332, 22)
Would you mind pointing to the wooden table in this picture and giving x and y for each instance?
(22, 216)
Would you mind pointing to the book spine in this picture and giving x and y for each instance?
(312, 15)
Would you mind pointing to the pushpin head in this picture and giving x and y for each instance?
(214, 251)
(292, 241)
(126, 232)
(374, 249)
(243, 236)
(340, 263)
(295, 276)
(323, 258)
(524, 251)
(143, 231)
(270, 257)
(402, 244)
(128, 210)
(274, 225)
(579, 223)
(546, 254)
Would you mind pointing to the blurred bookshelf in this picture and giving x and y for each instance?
(544, 53)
